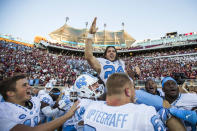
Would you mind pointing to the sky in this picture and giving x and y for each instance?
(143, 19)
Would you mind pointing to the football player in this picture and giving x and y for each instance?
(119, 112)
(86, 89)
(20, 111)
(51, 107)
(185, 101)
(107, 65)
(151, 87)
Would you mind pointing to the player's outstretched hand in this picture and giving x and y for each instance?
(93, 28)
(72, 110)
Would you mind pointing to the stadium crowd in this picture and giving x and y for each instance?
(42, 66)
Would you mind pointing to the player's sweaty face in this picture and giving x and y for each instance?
(111, 54)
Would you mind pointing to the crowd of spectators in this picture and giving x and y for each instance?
(157, 68)
(168, 52)
(183, 42)
(42, 66)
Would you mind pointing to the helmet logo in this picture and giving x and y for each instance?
(81, 82)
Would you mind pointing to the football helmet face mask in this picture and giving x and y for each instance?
(87, 86)
(73, 94)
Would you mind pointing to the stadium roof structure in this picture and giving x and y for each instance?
(67, 33)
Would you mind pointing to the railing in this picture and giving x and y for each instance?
(189, 82)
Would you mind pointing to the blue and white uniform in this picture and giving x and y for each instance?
(46, 98)
(13, 114)
(41, 92)
(70, 123)
(84, 103)
(77, 117)
(108, 68)
(47, 111)
(129, 117)
(185, 101)
(161, 93)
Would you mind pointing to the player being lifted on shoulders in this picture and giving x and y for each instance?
(107, 65)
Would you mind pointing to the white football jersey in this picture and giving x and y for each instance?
(108, 68)
(129, 117)
(185, 101)
(13, 114)
(78, 116)
(84, 103)
(161, 93)
(72, 120)
(41, 92)
(46, 98)
(66, 92)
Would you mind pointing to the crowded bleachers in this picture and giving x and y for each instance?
(158, 68)
(41, 65)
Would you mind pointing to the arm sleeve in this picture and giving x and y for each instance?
(149, 99)
(6, 125)
(49, 112)
(186, 115)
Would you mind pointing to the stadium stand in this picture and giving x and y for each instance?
(41, 63)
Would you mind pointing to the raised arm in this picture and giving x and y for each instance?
(94, 63)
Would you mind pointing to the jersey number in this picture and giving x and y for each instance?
(28, 121)
(112, 70)
(157, 123)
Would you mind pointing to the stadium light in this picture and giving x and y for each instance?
(123, 25)
(67, 18)
(105, 26)
(86, 24)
